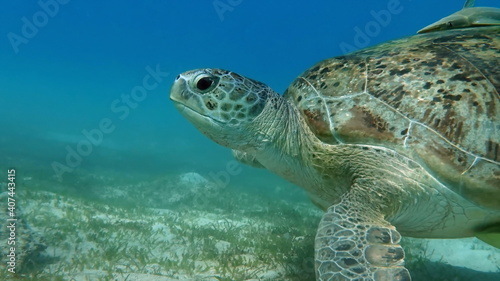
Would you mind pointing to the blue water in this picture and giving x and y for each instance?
(65, 66)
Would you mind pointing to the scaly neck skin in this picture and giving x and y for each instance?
(285, 146)
(282, 145)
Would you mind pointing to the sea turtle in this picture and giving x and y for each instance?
(469, 16)
(397, 139)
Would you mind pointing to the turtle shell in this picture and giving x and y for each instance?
(433, 98)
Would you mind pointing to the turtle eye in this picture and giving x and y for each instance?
(449, 24)
(205, 83)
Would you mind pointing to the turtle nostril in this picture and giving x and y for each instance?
(204, 83)
(178, 76)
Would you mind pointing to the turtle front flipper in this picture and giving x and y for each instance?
(356, 245)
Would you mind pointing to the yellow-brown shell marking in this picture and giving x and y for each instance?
(433, 98)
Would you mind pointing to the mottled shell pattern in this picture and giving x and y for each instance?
(433, 98)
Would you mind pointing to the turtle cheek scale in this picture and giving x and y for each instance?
(222, 133)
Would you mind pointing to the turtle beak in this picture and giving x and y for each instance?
(181, 98)
(177, 94)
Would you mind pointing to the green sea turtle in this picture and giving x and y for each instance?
(469, 16)
(397, 139)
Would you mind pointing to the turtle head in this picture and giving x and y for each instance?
(221, 104)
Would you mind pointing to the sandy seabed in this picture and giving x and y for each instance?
(184, 227)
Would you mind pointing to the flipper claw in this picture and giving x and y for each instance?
(354, 247)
